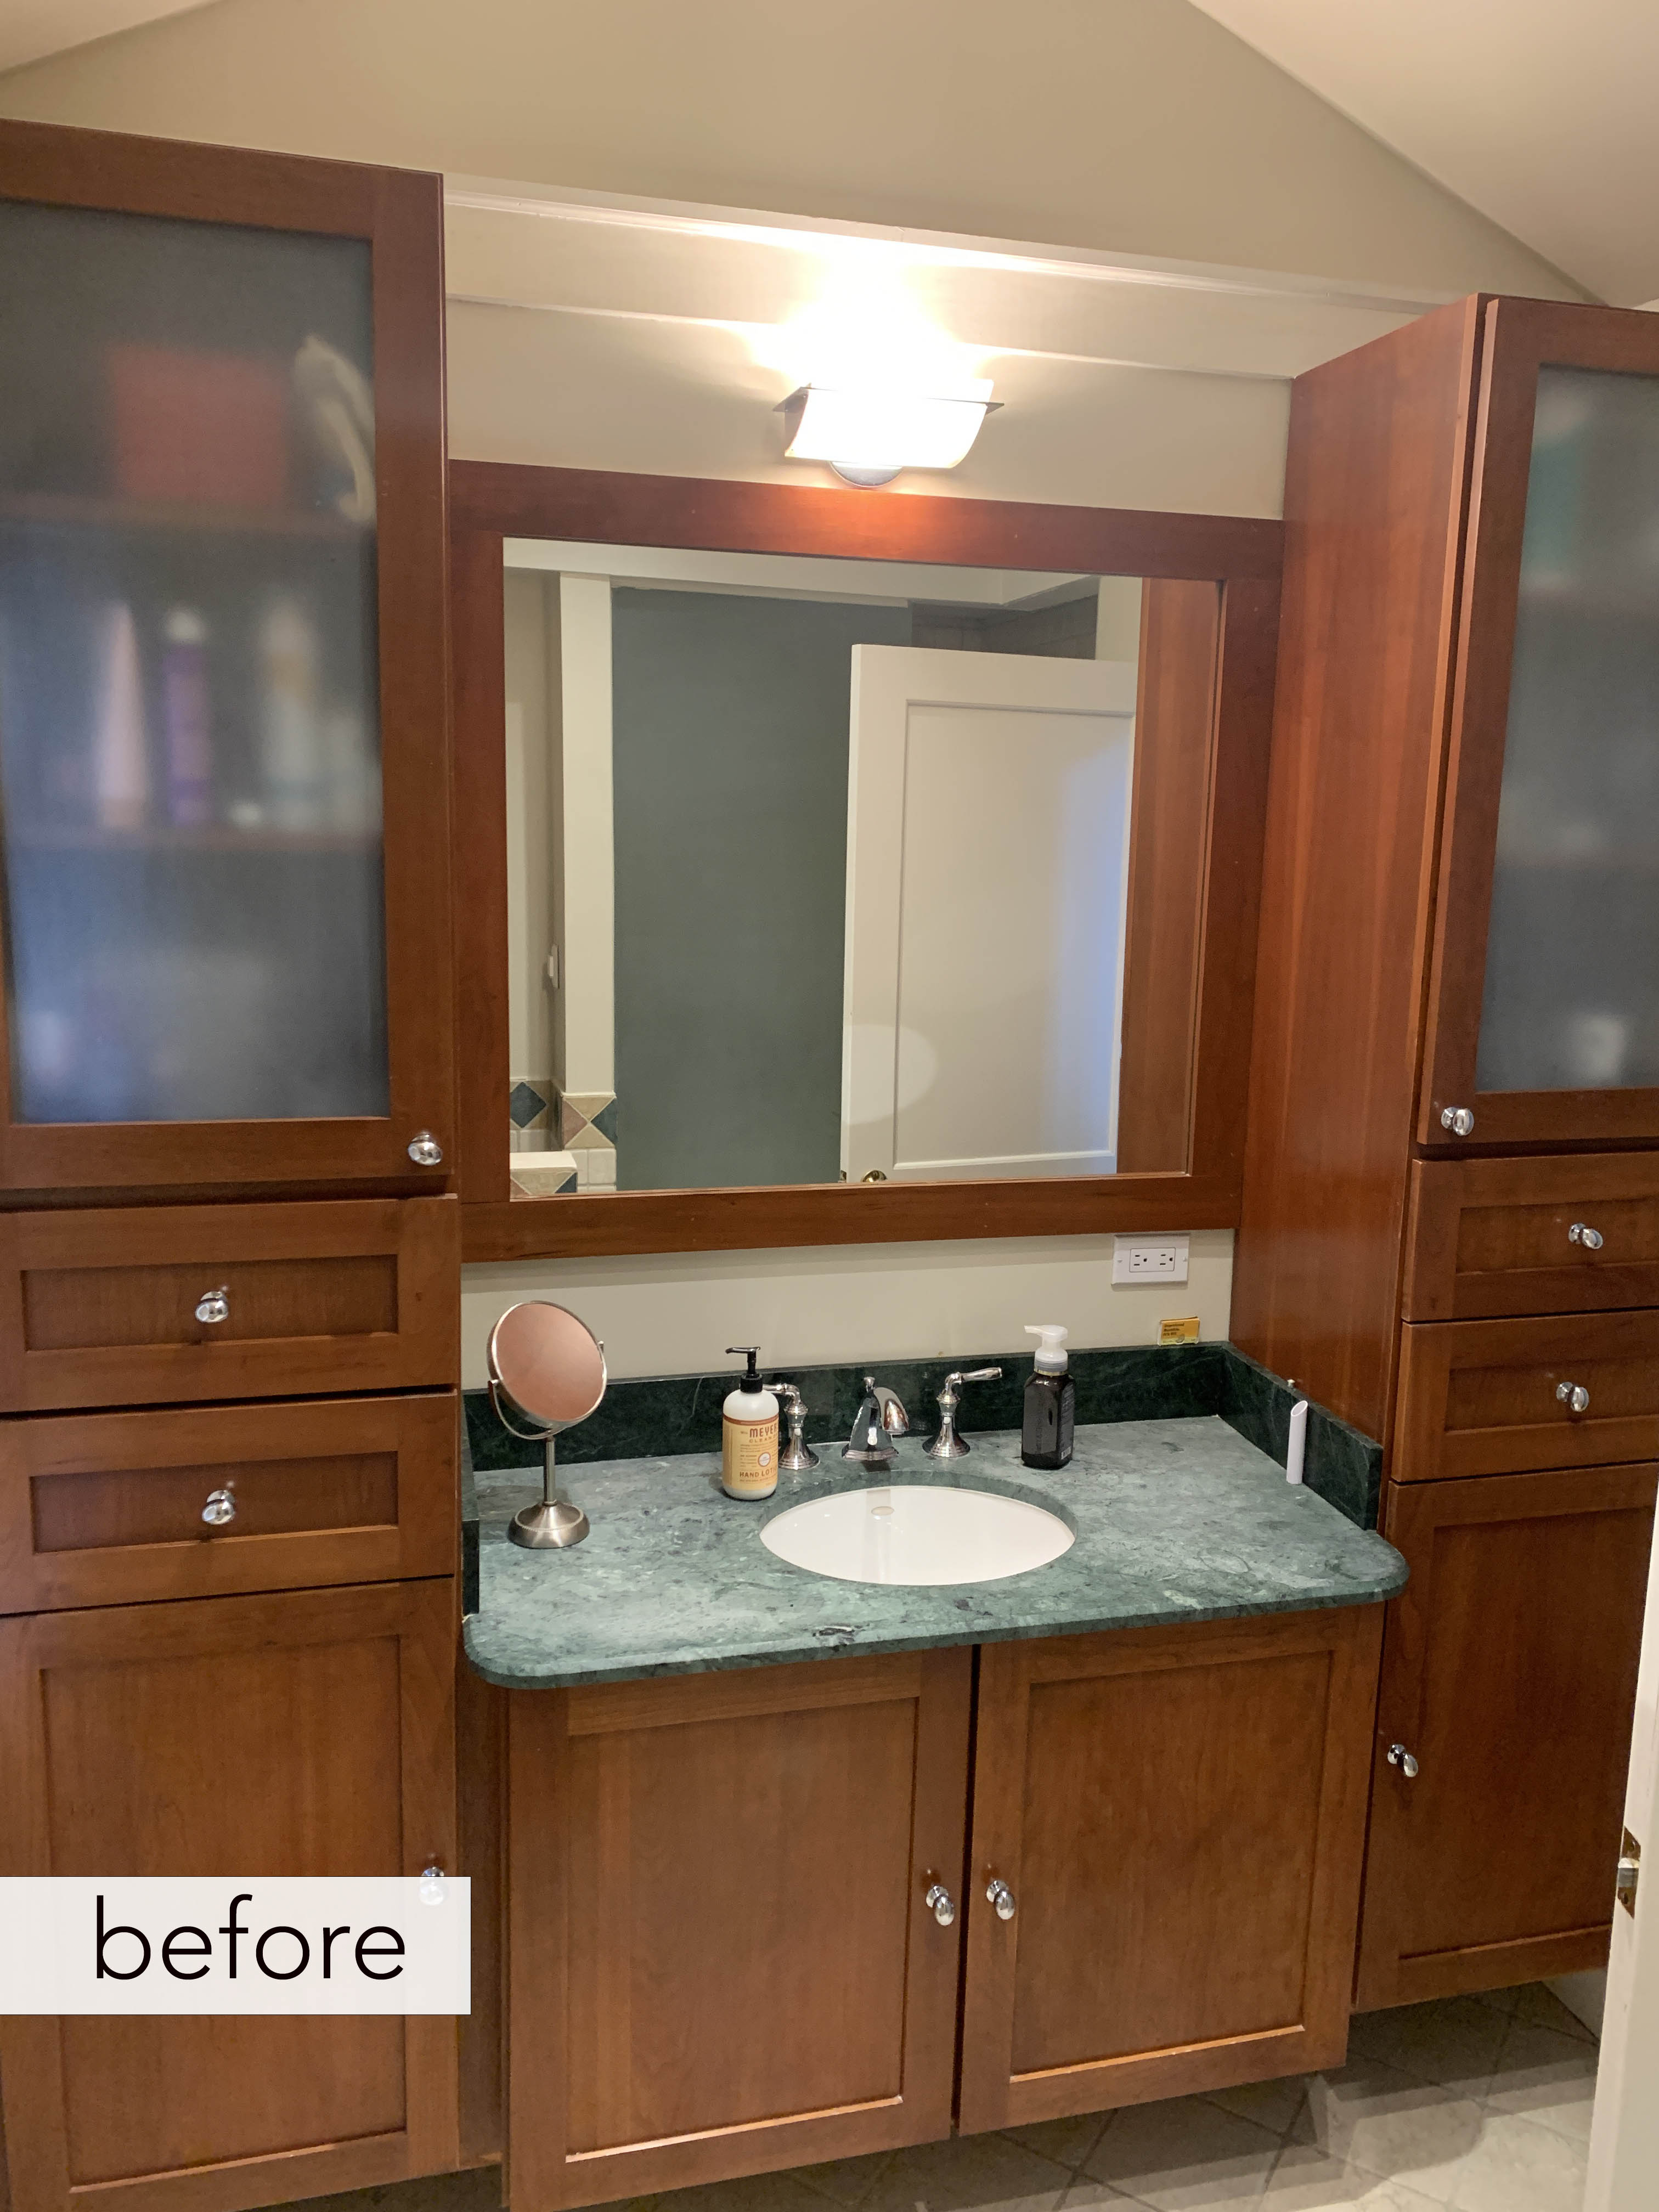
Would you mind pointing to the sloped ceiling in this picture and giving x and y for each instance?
(1540, 115)
(29, 29)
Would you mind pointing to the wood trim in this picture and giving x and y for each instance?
(419, 1434)
(539, 2170)
(478, 715)
(491, 500)
(672, 1700)
(423, 1236)
(991, 2094)
(718, 514)
(1521, 335)
(840, 1214)
(1497, 1965)
(1169, 839)
(400, 213)
(421, 1616)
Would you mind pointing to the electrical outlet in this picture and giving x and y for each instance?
(1149, 1259)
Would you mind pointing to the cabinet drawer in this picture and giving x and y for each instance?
(117, 1307)
(1496, 1397)
(108, 1509)
(1497, 1237)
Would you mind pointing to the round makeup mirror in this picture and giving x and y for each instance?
(546, 1373)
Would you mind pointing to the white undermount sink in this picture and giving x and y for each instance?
(917, 1532)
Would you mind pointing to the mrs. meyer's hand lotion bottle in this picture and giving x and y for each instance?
(1045, 1434)
(749, 1434)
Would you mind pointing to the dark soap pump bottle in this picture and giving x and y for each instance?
(1045, 1433)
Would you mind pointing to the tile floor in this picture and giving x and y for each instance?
(1476, 2104)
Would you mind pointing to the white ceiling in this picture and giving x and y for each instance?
(29, 29)
(1540, 114)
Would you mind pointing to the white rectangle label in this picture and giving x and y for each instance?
(237, 1944)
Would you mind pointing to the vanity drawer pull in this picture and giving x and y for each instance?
(1581, 1233)
(1573, 1394)
(220, 1508)
(941, 1903)
(999, 1894)
(214, 1305)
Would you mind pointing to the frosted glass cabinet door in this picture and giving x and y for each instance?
(1555, 811)
(220, 732)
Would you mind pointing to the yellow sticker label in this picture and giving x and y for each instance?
(1179, 1332)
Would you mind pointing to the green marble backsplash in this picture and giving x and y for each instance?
(657, 1416)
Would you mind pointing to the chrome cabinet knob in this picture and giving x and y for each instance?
(941, 1903)
(1573, 1394)
(1400, 1757)
(1002, 1897)
(214, 1305)
(1457, 1119)
(1581, 1233)
(220, 1507)
(424, 1149)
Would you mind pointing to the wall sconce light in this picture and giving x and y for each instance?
(868, 435)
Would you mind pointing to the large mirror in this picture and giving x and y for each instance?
(826, 869)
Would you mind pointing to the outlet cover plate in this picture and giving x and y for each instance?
(1149, 1259)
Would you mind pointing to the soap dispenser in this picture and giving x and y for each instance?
(749, 1434)
(1050, 1410)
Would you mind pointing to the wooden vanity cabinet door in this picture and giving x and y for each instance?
(1179, 1814)
(310, 1733)
(720, 1957)
(1508, 1674)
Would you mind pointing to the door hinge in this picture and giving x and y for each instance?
(1630, 1871)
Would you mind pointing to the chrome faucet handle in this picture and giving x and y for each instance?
(799, 1456)
(947, 1444)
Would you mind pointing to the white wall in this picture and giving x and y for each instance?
(1137, 125)
(675, 1314)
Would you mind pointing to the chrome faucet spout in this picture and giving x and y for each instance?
(880, 1418)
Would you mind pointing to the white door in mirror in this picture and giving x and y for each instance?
(917, 1534)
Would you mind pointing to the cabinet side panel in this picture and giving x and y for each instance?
(1374, 498)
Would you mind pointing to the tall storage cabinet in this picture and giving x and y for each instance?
(229, 1255)
(1453, 1164)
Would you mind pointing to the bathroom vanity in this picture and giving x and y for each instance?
(767, 1832)
(784, 1868)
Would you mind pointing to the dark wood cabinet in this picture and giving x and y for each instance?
(1495, 1397)
(726, 1952)
(1177, 1817)
(1509, 1676)
(1541, 1007)
(307, 1733)
(206, 1501)
(1457, 1003)
(1574, 1234)
(222, 574)
(721, 1955)
(175, 1303)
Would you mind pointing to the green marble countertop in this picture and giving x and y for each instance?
(1175, 1520)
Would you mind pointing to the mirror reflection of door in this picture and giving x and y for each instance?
(986, 869)
(692, 899)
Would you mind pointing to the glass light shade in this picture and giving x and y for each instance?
(875, 432)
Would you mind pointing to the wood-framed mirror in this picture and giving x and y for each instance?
(850, 867)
